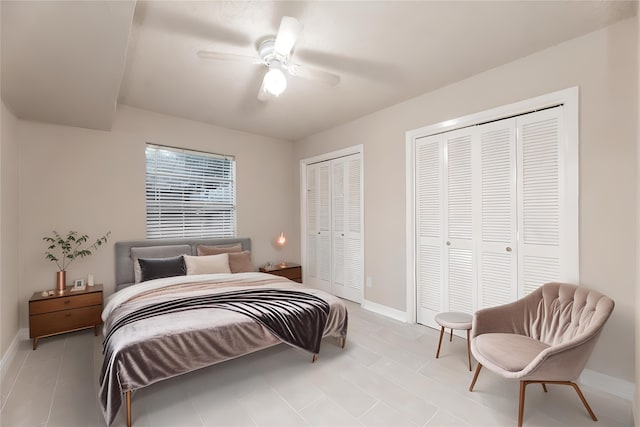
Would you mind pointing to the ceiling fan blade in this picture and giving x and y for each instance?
(290, 29)
(263, 95)
(313, 74)
(221, 56)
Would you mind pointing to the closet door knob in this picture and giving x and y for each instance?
(508, 249)
(448, 243)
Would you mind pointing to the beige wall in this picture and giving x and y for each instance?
(93, 182)
(9, 243)
(603, 64)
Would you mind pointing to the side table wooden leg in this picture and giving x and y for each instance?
(95, 330)
(469, 347)
(440, 342)
(35, 343)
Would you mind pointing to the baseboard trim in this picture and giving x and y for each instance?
(6, 360)
(385, 311)
(609, 384)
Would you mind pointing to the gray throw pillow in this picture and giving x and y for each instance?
(157, 268)
(155, 252)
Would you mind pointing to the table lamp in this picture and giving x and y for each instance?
(281, 241)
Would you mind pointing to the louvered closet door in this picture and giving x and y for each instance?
(496, 212)
(324, 227)
(318, 272)
(348, 260)
(338, 201)
(460, 205)
(497, 255)
(311, 267)
(540, 194)
(429, 228)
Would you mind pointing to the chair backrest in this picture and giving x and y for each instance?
(558, 312)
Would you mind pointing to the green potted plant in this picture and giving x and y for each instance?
(63, 250)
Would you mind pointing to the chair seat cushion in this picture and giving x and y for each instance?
(510, 352)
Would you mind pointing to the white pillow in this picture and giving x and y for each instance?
(207, 264)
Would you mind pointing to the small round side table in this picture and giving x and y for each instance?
(454, 320)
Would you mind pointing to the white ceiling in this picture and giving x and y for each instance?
(68, 62)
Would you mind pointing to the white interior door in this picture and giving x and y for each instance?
(338, 201)
(496, 211)
(460, 253)
(497, 255)
(335, 250)
(429, 228)
(346, 199)
(311, 218)
(540, 199)
(318, 268)
(353, 224)
(323, 234)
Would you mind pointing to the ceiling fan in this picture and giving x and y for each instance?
(275, 54)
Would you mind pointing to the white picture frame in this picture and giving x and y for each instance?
(78, 285)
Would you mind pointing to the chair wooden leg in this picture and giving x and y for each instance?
(523, 386)
(128, 399)
(544, 387)
(584, 401)
(440, 341)
(475, 376)
(469, 347)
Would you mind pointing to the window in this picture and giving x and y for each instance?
(189, 193)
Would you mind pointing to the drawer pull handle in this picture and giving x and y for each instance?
(68, 315)
(67, 301)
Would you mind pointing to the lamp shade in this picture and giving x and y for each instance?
(274, 81)
(281, 241)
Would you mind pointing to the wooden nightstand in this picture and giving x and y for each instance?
(289, 270)
(57, 314)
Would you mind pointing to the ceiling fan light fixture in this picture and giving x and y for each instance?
(274, 53)
(274, 81)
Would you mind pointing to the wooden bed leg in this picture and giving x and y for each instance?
(343, 342)
(313, 360)
(128, 399)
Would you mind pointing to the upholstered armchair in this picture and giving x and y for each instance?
(545, 337)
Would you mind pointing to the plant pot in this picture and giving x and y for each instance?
(61, 281)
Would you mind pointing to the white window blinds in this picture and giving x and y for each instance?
(189, 193)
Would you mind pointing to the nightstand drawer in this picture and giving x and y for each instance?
(292, 273)
(289, 270)
(65, 303)
(66, 320)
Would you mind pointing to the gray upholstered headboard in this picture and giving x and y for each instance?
(124, 262)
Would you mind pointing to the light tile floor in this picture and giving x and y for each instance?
(386, 376)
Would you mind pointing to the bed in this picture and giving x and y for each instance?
(157, 328)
